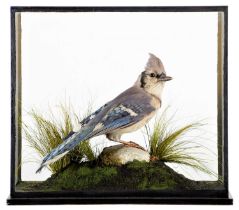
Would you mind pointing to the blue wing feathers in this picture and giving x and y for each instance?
(109, 126)
(117, 117)
(92, 116)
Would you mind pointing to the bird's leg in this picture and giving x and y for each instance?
(129, 144)
(133, 144)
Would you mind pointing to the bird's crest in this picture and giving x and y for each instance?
(153, 63)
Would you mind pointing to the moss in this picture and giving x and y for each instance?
(93, 176)
(75, 177)
(137, 164)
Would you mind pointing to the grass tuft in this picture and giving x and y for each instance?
(46, 133)
(169, 145)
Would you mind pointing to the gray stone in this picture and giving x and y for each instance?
(121, 154)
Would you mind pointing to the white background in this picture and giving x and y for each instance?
(5, 87)
(79, 56)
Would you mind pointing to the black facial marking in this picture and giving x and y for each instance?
(162, 75)
(142, 80)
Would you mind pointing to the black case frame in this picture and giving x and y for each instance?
(214, 196)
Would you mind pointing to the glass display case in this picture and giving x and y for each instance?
(68, 67)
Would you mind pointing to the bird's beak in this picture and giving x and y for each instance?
(166, 78)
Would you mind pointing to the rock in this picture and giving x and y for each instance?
(121, 154)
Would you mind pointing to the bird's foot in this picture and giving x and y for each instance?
(133, 144)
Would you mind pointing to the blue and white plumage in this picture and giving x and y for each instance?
(126, 113)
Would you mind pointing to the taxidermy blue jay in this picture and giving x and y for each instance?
(126, 113)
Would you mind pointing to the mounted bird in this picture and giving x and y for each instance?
(127, 112)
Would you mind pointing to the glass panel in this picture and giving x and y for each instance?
(73, 63)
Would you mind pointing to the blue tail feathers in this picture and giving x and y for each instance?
(68, 144)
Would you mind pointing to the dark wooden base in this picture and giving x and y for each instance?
(119, 200)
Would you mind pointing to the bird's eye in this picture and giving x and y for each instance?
(152, 75)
